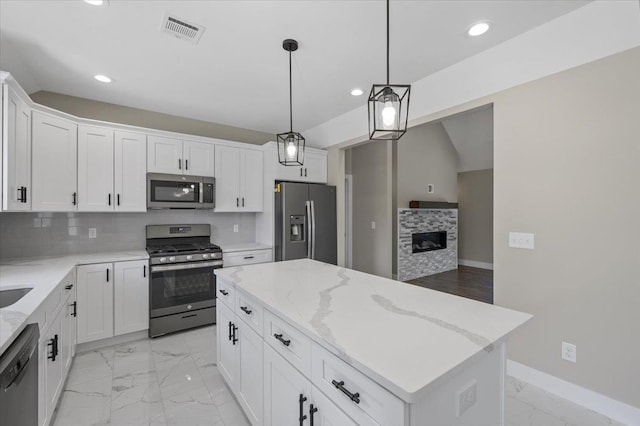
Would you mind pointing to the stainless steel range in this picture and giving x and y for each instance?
(182, 288)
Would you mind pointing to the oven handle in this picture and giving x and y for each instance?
(189, 265)
(201, 192)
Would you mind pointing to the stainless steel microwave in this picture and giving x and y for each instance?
(166, 191)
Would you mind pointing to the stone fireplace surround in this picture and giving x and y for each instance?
(412, 221)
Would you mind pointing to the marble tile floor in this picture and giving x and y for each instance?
(173, 380)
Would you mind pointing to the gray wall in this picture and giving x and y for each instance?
(475, 216)
(371, 167)
(87, 108)
(426, 155)
(567, 168)
(56, 234)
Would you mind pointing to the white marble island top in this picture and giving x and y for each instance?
(42, 275)
(405, 337)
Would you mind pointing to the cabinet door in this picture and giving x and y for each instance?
(294, 173)
(226, 349)
(53, 363)
(227, 179)
(315, 167)
(249, 381)
(95, 169)
(130, 172)
(164, 155)
(54, 146)
(328, 413)
(95, 302)
(67, 340)
(283, 386)
(198, 158)
(16, 155)
(251, 180)
(130, 297)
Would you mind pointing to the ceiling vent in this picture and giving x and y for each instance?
(182, 29)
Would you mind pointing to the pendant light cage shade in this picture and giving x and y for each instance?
(290, 149)
(388, 111)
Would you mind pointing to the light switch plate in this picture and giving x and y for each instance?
(373, 224)
(521, 240)
(236, 228)
(569, 352)
(467, 397)
(93, 233)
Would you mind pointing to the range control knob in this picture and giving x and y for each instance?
(172, 259)
(163, 259)
(189, 257)
(205, 256)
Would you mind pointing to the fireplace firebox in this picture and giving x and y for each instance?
(428, 241)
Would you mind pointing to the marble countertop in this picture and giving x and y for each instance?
(405, 337)
(42, 275)
(230, 248)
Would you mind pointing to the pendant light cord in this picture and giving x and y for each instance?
(290, 97)
(387, 42)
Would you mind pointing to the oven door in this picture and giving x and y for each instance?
(182, 287)
(174, 191)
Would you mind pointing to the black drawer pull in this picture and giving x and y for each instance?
(224, 292)
(118, 197)
(355, 397)
(303, 416)
(235, 339)
(230, 330)
(248, 257)
(68, 287)
(246, 310)
(279, 337)
(75, 309)
(312, 411)
(54, 348)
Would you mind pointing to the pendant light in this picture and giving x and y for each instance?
(290, 144)
(388, 106)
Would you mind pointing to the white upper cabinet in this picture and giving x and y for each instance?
(239, 178)
(130, 174)
(16, 155)
(95, 169)
(198, 158)
(174, 156)
(54, 163)
(314, 168)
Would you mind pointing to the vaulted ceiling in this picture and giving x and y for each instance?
(238, 73)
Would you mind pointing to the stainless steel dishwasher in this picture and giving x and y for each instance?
(19, 380)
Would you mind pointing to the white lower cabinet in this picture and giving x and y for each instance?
(113, 299)
(240, 361)
(53, 364)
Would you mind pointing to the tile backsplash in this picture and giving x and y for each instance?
(57, 234)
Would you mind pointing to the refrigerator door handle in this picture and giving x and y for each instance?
(313, 230)
(309, 226)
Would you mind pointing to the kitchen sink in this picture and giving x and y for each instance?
(9, 297)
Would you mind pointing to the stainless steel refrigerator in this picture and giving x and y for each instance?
(305, 215)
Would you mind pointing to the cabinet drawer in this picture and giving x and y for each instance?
(294, 346)
(247, 257)
(225, 292)
(250, 311)
(359, 396)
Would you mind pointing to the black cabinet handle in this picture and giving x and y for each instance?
(21, 194)
(107, 274)
(224, 292)
(312, 411)
(281, 339)
(54, 348)
(300, 171)
(230, 330)
(25, 195)
(246, 310)
(186, 164)
(180, 163)
(242, 201)
(118, 199)
(305, 172)
(109, 197)
(355, 397)
(68, 287)
(237, 202)
(144, 271)
(301, 401)
(75, 309)
(75, 198)
(235, 339)
(248, 257)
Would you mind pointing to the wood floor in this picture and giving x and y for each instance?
(473, 283)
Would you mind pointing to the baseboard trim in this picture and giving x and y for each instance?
(110, 341)
(597, 402)
(474, 264)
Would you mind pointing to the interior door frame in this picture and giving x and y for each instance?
(348, 222)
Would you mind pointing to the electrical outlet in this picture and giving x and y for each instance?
(569, 351)
(431, 188)
(93, 232)
(521, 240)
(373, 224)
(466, 397)
(236, 228)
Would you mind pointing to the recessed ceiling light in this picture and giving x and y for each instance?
(478, 29)
(356, 92)
(102, 78)
(95, 2)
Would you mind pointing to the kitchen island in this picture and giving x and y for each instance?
(303, 341)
